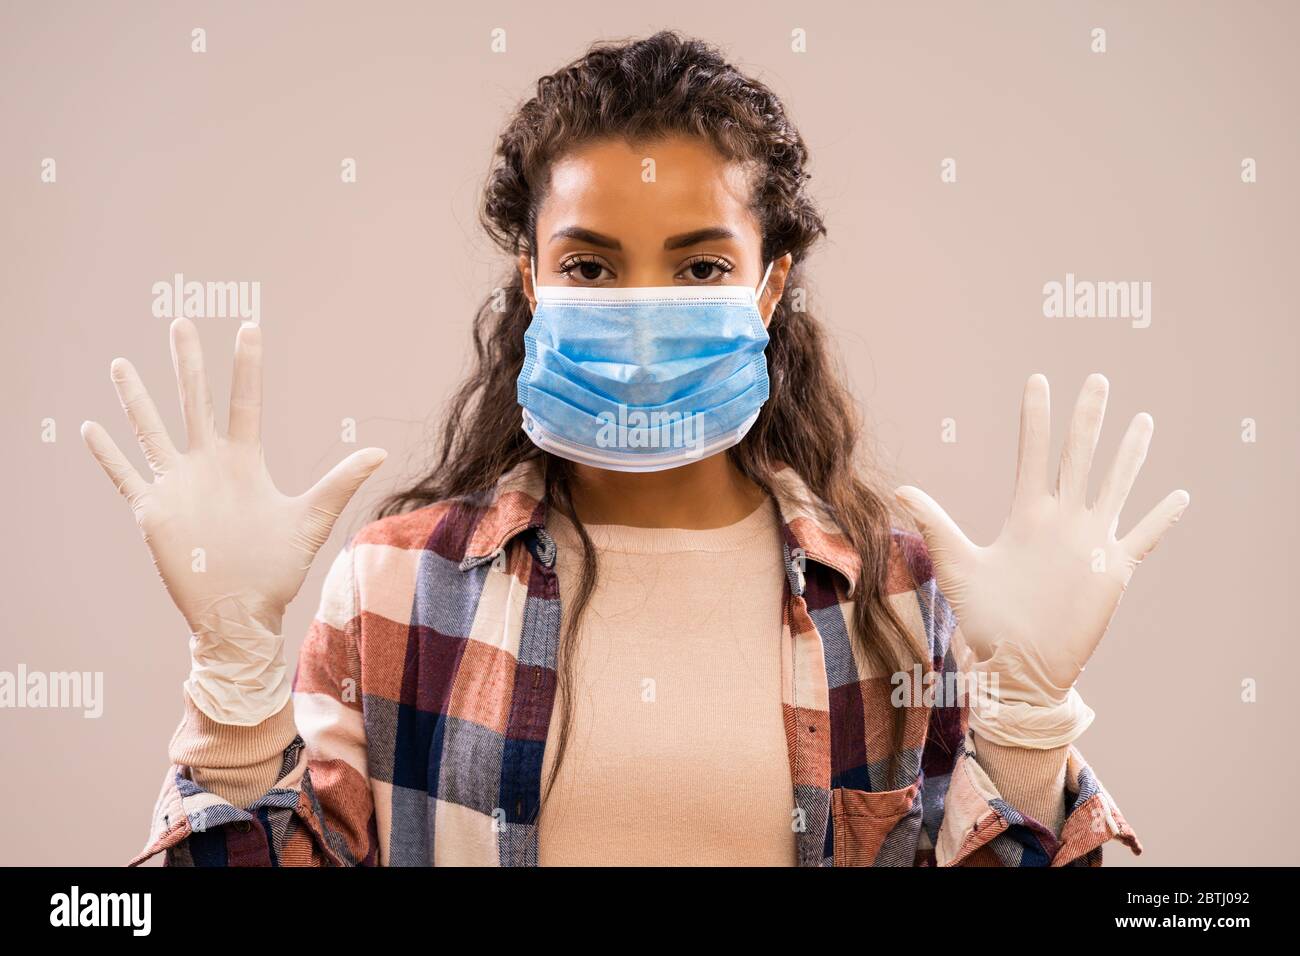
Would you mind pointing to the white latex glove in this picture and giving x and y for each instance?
(231, 549)
(1033, 605)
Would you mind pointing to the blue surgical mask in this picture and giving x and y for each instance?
(643, 379)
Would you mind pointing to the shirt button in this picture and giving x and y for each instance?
(243, 826)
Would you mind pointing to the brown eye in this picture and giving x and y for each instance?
(585, 269)
(705, 269)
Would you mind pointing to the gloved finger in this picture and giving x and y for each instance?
(1143, 539)
(1081, 440)
(329, 496)
(196, 400)
(124, 477)
(1035, 438)
(948, 545)
(1124, 469)
(246, 385)
(143, 415)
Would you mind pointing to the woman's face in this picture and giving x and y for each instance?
(670, 212)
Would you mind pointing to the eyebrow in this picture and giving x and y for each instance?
(586, 235)
(710, 234)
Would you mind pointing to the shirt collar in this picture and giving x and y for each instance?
(517, 504)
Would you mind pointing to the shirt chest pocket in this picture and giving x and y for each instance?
(875, 828)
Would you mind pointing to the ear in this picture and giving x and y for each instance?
(775, 288)
(526, 274)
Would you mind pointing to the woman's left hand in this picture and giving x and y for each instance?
(1033, 605)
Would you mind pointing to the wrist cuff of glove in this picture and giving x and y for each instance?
(238, 675)
(1033, 726)
(234, 705)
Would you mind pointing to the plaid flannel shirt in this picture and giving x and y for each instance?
(424, 691)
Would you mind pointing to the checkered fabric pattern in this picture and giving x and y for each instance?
(424, 691)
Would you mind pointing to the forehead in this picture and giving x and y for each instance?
(661, 187)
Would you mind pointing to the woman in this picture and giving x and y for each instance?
(667, 621)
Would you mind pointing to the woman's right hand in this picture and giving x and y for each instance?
(232, 550)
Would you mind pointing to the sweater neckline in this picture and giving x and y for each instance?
(628, 539)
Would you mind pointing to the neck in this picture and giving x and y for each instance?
(710, 493)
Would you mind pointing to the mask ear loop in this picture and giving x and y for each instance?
(763, 285)
(532, 275)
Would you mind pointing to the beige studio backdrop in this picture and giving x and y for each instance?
(1128, 165)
